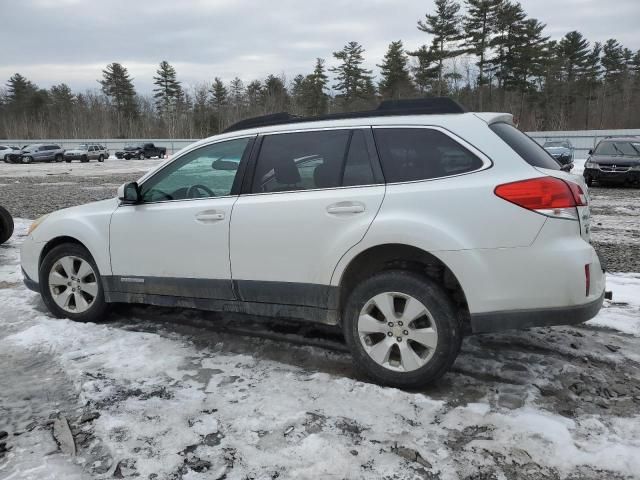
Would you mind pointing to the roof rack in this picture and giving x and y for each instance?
(387, 108)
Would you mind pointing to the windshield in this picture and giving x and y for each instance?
(618, 148)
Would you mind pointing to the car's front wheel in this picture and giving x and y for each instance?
(101, 158)
(402, 329)
(71, 285)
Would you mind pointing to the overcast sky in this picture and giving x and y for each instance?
(53, 41)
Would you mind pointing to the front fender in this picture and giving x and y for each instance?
(88, 224)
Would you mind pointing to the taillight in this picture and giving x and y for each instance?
(546, 195)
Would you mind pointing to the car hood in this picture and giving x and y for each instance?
(75, 151)
(557, 150)
(619, 160)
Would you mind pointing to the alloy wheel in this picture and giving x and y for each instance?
(73, 284)
(397, 331)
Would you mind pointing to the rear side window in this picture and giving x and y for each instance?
(523, 145)
(312, 160)
(409, 154)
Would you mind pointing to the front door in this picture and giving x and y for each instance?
(175, 242)
(313, 196)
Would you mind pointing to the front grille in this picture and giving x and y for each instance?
(613, 168)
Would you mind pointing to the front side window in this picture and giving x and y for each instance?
(312, 160)
(206, 172)
(409, 154)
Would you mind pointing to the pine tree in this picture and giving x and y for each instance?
(20, 91)
(237, 93)
(117, 85)
(168, 91)
(591, 79)
(317, 98)
(395, 81)
(353, 81)
(479, 26)
(510, 19)
(219, 94)
(444, 26)
(425, 72)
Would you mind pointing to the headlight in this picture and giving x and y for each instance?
(635, 167)
(590, 165)
(35, 224)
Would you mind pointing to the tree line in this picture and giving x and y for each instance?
(487, 54)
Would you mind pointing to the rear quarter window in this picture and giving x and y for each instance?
(523, 145)
(410, 154)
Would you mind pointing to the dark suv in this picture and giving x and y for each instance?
(614, 160)
(42, 152)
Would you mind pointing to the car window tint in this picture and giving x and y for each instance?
(206, 172)
(523, 145)
(606, 148)
(300, 161)
(357, 169)
(409, 154)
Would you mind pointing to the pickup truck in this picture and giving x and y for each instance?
(141, 151)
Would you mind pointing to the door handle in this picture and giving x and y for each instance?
(345, 208)
(208, 216)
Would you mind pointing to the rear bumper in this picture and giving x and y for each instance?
(542, 317)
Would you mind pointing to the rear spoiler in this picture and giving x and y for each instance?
(491, 117)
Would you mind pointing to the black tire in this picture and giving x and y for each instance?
(101, 158)
(84, 159)
(59, 158)
(6, 225)
(68, 160)
(27, 159)
(98, 310)
(141, 156)
(434, 298)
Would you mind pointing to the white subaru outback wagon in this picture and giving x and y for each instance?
(408, 226)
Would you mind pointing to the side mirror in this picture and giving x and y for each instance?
(591, 151)
(228, 165)
(129, 193)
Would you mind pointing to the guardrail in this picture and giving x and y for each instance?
(582, 140)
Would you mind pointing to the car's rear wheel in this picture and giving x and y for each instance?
(6, 225)
(402, 329)
(71, 285)
(59, 158)
(141, 156)
(27, 159)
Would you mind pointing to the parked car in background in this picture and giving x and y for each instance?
(375, 221)
(614, 160)
(85, 152)
(141, 151)
(561, 151)
(42, 152)
(6, 225)
(8, 153)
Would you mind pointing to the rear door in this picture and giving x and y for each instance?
(309, 197)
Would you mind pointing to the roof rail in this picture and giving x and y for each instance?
(387, 108)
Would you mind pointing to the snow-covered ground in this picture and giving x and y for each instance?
(168, 394)
(111, 166)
